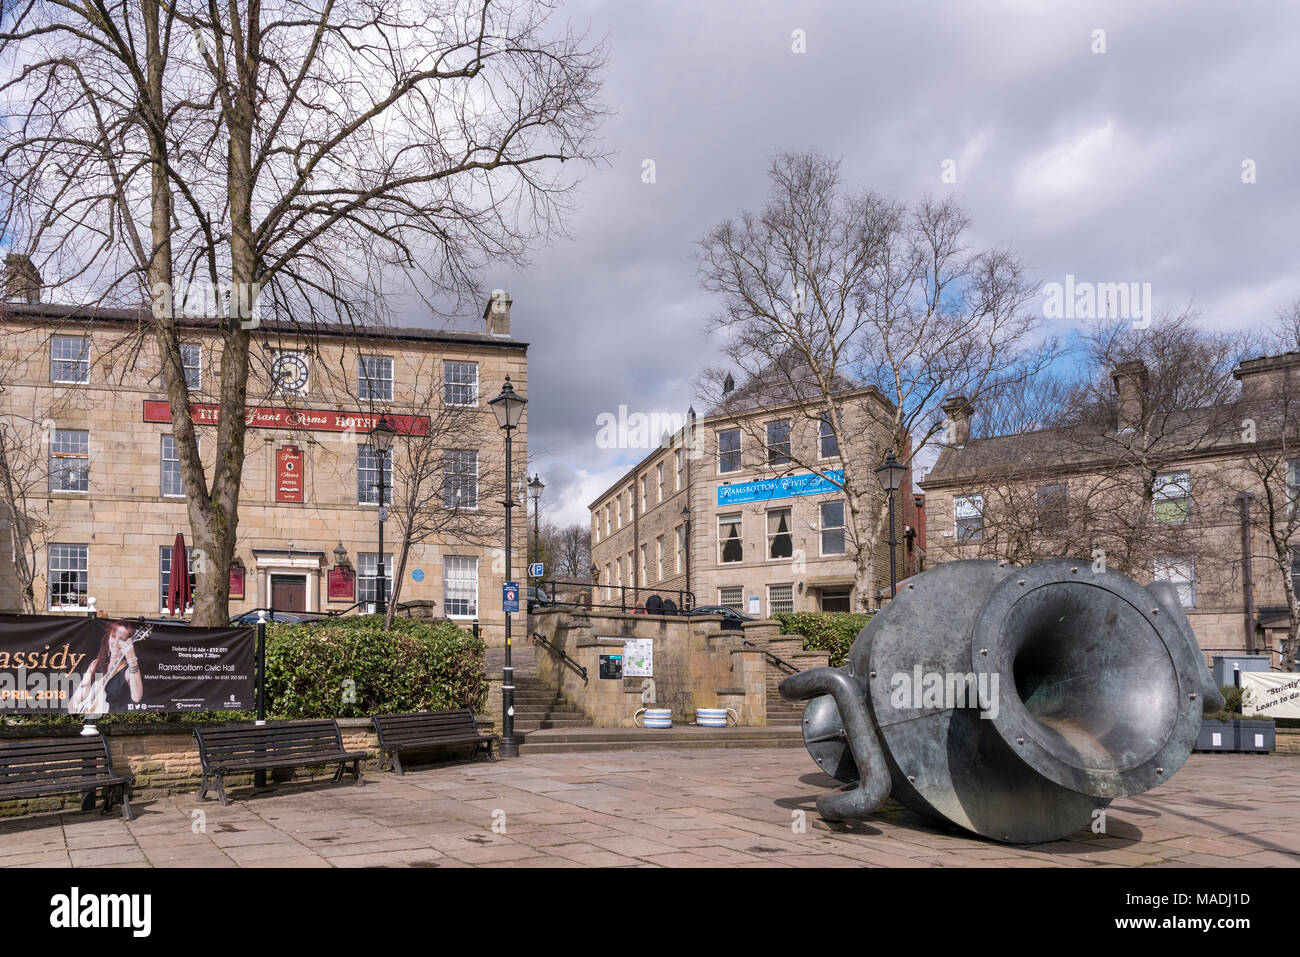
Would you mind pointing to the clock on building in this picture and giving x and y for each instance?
(289, 372)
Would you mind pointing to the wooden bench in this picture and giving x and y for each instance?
(426, 730)
(229, 750)
(62, 765)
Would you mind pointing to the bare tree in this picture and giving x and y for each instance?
(825, 290)
(567, 550)
(300, 157)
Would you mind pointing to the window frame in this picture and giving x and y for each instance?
(373, 487)
(1160, 496)
(723, 454)
(1169, 564)
(774, 455)
(958, 501)
(823, 528)
(823, 425)
(50, 572)
(51, 471)
(449, 383)
(460, 473)
(739, 606)
(772, 612)
(196, 367)
(739, 522)
(366, 381)
(84, 360)
(164, 585)
(446, 599)
(770, 536)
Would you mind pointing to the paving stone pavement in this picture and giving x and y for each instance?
(699, 808)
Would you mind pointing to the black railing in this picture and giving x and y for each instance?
(780, 661)
(626, 598)
(564, 657)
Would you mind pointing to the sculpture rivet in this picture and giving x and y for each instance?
(1020, 740)
(1192, 696)
(984, 651)
(1022, 581)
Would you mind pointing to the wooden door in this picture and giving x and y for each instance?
(289, 592)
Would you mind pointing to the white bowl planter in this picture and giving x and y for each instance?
(715, 717)
(654, 718)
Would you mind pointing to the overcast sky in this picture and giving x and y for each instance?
(1116, 166)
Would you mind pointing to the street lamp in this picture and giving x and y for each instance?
(535, 488)
(891, 478)
(381, 444)
(508, 407)
(686, 546)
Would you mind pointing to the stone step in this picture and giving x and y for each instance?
(635, 739)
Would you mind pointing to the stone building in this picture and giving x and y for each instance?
(87, 431)
(1154, 495)
(741, 508)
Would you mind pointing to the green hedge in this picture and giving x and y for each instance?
(824, 630)
(418, 666)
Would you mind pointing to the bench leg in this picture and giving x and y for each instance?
(338, 772)
(203, 786)
(221, 789)
(125, 792)
(88, 800)
(491, 756)
(356, 773)
(397, 763)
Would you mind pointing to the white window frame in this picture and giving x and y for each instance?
(771, 611)
(454, 378)
(769, 535)
(678, 464)
(659, 558)
(368, 576)
(164, 585)
(82, 363)
(455, 561)
(164, 460)
(448, 474)
(739, 604)
(781, 458)
(195, 367)
(51, 571)
(823, 528)
(680, 539)
(63, 454)
(967, 507)
(659, 482)
(371, 495)
(1180, 571)
(366, 381)
(645, 563)
(739, 521)
(1181, 481)
(738, 451)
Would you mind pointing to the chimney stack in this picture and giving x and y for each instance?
(1269, 378)
(958, 410)
(1131, 382)
(497, 313)
(22, 279)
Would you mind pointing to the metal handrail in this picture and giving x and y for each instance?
(685, 600)
(778, 660)
(573, 664)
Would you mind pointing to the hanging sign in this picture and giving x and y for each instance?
(288, 474)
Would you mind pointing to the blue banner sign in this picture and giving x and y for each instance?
(788, 486)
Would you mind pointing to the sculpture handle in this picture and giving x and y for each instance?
(636, 716)
(855, 800)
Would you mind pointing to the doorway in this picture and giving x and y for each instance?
(289, 592)
(835, 600)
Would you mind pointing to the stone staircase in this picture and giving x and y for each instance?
(789, 648)
(538, 707)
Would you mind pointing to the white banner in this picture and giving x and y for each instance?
(1270, 694)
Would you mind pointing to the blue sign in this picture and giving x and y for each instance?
(536, 570)
(510, 596)
(788, 486)
(418, 575)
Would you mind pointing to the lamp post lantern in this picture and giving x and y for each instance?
(381, 444)
(508, 407)
(891, 478)
(535, 488)
(686, 545)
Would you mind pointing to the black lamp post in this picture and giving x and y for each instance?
(535, 488)
(686, 544)
(508, 408)
(891, 477)
(381, 443)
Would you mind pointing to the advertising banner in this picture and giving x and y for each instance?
(51, 664)
(788, 486)
(1270, 694)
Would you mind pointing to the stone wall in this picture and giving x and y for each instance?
(696, 665)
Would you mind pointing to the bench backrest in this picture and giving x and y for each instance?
(63, 760)
(249, 742)
(397, 730)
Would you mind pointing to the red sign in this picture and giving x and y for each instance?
(288, 474)
(342, 584)
(237, 581)
(312, 420)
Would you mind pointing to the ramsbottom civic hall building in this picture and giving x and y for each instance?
(89, 458)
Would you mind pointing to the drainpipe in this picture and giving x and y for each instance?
(1247, 575)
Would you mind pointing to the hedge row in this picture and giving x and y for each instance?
(827, 631)
(349, 668)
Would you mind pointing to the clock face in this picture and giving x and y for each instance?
(289, 372)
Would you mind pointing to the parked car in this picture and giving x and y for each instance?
(280, 617)
(537, 598)
(731, 619)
